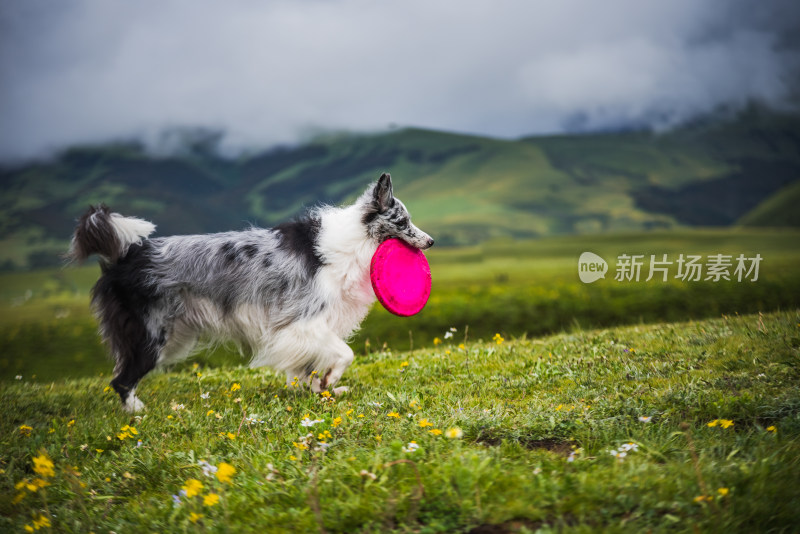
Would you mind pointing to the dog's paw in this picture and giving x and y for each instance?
(341, 389)
(316, 385)
(133, 404)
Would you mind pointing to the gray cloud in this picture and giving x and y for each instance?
(273, 72)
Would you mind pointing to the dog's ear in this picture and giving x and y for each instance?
(382, 195)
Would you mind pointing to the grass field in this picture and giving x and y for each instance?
(514, 288)
(522, 407)
(679, 427)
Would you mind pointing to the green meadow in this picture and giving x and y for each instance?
(519, 400)
(516, 288)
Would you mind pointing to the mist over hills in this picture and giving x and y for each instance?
(461, 189)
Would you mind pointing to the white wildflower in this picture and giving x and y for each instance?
(254, 419)
(411, 447)
(208, 469)
(307, 422)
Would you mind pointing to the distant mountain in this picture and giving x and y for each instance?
(462, 189)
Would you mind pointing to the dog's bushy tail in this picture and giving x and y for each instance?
(107, 234)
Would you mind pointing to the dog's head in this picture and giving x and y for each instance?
(385, 216)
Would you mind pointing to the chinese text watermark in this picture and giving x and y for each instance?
(686, 267)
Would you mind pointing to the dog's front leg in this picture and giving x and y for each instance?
(344, 357)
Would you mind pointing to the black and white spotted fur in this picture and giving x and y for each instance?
(289, 296)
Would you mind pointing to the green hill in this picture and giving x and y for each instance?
(461, 189)
(779, 209)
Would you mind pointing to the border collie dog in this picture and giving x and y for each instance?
(288, 296)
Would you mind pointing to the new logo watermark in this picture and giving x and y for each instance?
(686, 267)
(591, 267)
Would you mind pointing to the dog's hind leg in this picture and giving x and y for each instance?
(135, 349)
(140, 360)
(178, 346)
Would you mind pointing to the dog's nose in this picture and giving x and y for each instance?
(430, 242)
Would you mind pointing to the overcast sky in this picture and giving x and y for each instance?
(88, 71)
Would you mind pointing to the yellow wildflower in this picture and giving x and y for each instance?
(435, 432)
(378, 438)
(498, 339)
(454, 433)
(404, 364)
(461, 346)
(337, 421)
(725, 423)
(192, 487)
(713, 423)
(194, 517)
(326, 394)
(235, 387)
(723, 491)
(424, 422)
(211, 499)
(43, 465)
(772, 428)
(300, 446)
(25, 430)
(393, 414)
(436, 341)
(210, 412)
(72, 422)
(38, 522)
(225, 472)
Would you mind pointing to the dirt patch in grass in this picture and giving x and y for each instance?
(517, 525)
(558, 446)
(508, 527)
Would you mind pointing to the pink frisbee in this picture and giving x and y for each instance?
(401, 277)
